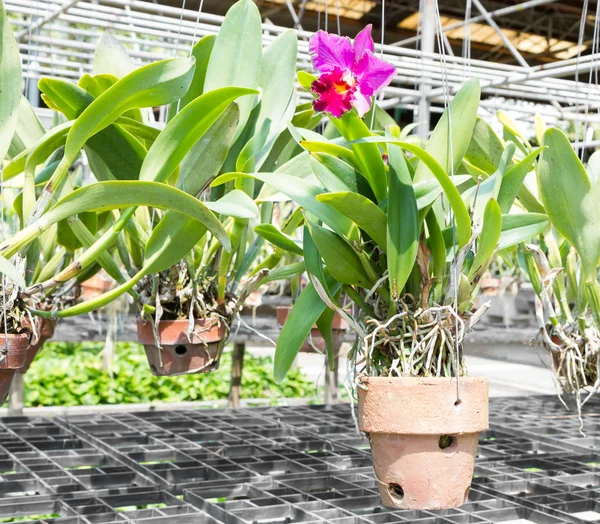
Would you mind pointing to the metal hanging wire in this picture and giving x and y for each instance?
(381, 56)
(577, 67)
(450, 166)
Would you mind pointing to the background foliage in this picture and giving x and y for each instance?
(69, 374)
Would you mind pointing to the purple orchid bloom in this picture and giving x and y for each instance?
(350, 73)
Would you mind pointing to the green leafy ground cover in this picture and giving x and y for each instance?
(69, 374)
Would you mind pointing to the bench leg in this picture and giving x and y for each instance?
(16, 396)
(235, 393)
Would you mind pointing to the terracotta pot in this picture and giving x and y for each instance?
(489, 286)
(44, 331)
(179, 355)
(95, 286)
(404, 419)
(339, 328)
(13, 355)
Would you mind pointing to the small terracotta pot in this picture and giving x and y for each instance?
(13, 355)
(404, 419)
(43, 331)
(489, 286)
(338, 328)
(200, 353)
(95, 286)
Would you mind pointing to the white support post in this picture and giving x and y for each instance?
(427, 17)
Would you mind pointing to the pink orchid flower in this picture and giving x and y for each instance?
(350, 73)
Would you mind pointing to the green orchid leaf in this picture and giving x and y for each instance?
(306, 311)
(306, 79)
(110, 57)
(461, 213)
(488, 239)
(485, 149)
(335, 150)
(10, 271)
(337, 175)
(28, 130)
(303, 192)
(368, 156)
(284, 272)
(185, 129)
(340, 259)
(104, 196)
(324, 325)
(235, 204)
(362, 211)
(571, 203)
(235, 59)
(520, 228)
(152, 85)
(463, 114)
(201, 52)
(276, 81)
(512, 183)
(271, 234)
(437, 245)
(10, 83)
(402, 223)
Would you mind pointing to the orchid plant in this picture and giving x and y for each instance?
(563, 265)
(406, 239)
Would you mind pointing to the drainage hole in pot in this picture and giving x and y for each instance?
(180, 350)
(396, 491)
(446, 441)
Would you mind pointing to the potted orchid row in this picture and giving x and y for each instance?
(146, 216)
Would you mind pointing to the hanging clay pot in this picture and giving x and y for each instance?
(423, 440)
(44, 330)
(200, 353)
(338, 329)
(13, 355)
(95, 286)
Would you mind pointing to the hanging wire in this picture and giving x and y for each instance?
(593, 75)
(450, 166)
(179, 28)
(466, 49)
(337, 17)
(326, 16)
(579, 46)
(380, 56)
(319, 17)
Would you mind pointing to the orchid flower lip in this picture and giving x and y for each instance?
(350, 73)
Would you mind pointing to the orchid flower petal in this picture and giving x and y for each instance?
(362, 43)
(373, 74)
(334, 95)
(361, 103)
(330, 51)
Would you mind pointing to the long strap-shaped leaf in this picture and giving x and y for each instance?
(302, 191)
(571, 202)
(181, 133)
(10, 83)
(104, 196)
(151, 85)
(461, 213)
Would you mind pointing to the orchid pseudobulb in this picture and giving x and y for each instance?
(350, 74)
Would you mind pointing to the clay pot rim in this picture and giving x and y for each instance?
(18, 339)
(212, 330)
(424, 380)
(423, 405)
